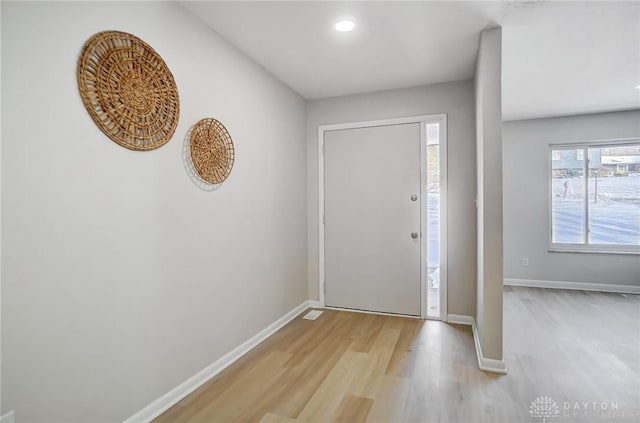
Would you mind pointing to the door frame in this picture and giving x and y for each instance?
(440, 118)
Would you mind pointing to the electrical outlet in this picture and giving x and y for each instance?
(525, 262)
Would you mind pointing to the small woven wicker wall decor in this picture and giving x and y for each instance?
(128, 90)
(212, 152)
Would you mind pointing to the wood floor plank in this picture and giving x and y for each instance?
(389, 404)
(365, 333)
(323, 405)
(402, 360)
(244, 391)
(353, 409)
(274, 418)
(369, 377)
(306, 376)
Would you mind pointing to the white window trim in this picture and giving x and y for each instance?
(586, 247)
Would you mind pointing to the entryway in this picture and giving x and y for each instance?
(383, 216)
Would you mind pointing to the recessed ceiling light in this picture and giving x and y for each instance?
(344, 26)
(638, 87)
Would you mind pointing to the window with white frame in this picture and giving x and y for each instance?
(595, 196)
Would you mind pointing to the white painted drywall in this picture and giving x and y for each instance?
(455, 99)
(526, 200)
(120, 277)
(488, 85)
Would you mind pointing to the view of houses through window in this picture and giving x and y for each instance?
(603, 209)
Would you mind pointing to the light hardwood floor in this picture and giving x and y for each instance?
(571, 346)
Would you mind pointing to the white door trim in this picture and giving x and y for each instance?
(422, 120)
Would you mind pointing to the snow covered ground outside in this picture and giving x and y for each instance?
(613, 219)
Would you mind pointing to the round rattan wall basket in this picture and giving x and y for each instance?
(128, 90)
(212, 152)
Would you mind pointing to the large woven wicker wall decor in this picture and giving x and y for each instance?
(212, 152)
(128, 90)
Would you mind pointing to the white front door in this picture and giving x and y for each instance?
(372, 204)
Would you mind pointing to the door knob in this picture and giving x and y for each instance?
(414, 235)
(414, 197)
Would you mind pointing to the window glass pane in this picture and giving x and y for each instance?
(433, 219)
(614, 195)
(567, 192)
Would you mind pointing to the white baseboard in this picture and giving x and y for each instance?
(460, 319)
(582, 286)
(8, 417)
(314, 304)
(172, 397)
(486, 364)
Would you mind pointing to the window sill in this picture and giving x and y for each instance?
(592, 251)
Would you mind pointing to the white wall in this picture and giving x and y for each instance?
(120, 277)
(526, 200)
(488, 86)
(455, 99)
